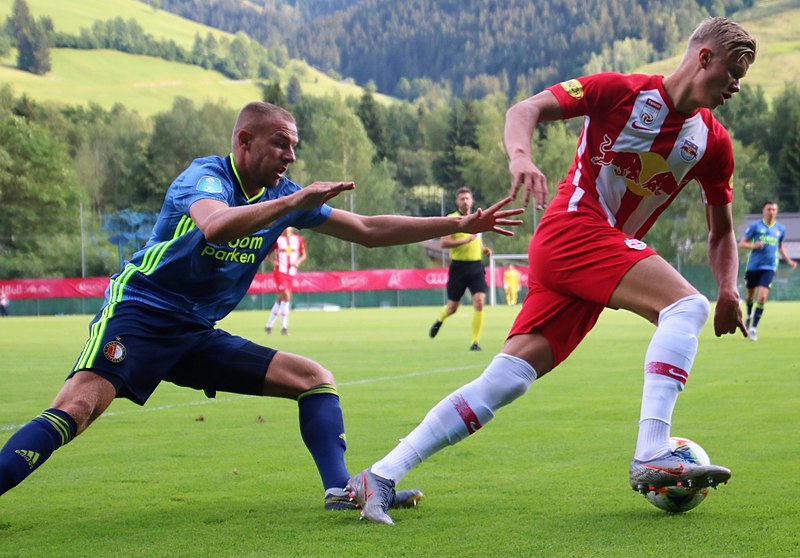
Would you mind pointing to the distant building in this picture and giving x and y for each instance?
(792, 223)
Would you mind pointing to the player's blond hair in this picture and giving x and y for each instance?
(728, 35)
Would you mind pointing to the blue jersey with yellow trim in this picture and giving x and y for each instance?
(765, 257)
(178, 270)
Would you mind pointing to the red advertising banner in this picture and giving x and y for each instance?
(312, 282)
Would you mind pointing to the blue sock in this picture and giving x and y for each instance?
(757, 315)
(322, 429)
(32, 445)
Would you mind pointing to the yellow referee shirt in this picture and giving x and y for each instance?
(471, 251)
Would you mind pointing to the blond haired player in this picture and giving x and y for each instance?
(644, 139)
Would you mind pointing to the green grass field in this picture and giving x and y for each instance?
(188, 476)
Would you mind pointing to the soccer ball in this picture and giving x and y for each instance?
(679, 499)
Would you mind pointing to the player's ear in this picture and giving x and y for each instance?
(243, 138)
(705, 55)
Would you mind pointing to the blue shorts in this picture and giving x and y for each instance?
(135, 347)
(759, 278)
(463, 275)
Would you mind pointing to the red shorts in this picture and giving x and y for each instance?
(283, 281)
(576, 261)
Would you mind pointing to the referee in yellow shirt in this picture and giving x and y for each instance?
(466, 271)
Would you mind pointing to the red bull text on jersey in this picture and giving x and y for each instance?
(636, 152)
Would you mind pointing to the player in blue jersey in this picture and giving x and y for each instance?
(219, 220)
(764, 238)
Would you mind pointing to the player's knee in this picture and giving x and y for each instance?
(692, 310)
(318, 375)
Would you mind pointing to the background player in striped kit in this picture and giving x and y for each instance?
(287, 257)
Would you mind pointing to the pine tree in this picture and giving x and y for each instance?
(33, 46)
(374, 122)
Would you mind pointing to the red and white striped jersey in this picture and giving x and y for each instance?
(636, 152)
(288, 250)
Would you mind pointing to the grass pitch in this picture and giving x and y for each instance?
(188, 476)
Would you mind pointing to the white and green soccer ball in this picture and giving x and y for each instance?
(679, 499)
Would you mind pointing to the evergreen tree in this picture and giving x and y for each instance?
(40, 51)
(462, 132)
(272, 93)
(374, 122)
(293, 91)
(31, 38)
(783, 146)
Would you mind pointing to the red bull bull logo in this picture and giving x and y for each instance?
(689, 151)
(645, 174)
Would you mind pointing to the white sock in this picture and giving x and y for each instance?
(274, 315)
(668, 362)
(284, 311)
(458, 415)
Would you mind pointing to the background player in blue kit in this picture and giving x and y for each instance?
(219, 220)
(765, 240)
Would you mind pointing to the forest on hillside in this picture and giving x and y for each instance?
(472, 47)
(68, 172)
(73, 172)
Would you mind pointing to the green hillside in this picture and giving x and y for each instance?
(148, 85)
(70, 15)
(141, 83)
(774, 24)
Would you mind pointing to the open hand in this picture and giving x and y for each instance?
(492, 219)
(318, 193)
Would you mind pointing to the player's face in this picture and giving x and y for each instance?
(272, 149)
(722, 76)
(464, 203)
(770, 212)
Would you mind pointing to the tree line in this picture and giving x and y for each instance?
(239, 58)
(406, 158)
(471, 47)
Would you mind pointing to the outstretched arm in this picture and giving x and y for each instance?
(221, 224)
(390, 230)
(521, 121)
(724, 259)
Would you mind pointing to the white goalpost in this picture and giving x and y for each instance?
(498, 260)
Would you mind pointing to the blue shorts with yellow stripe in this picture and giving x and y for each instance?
(136, 346)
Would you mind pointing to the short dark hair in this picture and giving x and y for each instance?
(257, 112)
(464, 190)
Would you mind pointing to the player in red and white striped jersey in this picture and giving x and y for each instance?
(286, 257)
(644, 138)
